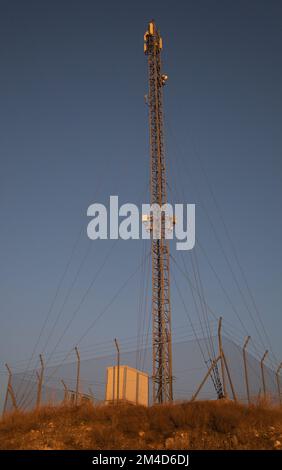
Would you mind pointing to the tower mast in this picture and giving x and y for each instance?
(161, 310)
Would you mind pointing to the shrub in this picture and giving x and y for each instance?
(132, 419)
(159, 420)
(225, 419)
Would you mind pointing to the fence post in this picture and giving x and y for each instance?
(204, 379)
(40, 381)
(225, 395)
(262, 373)
(229, 378)
(77, 377)
(118, 368)
(66, 393)
(246, 369)
(9, 391)
(278, 384)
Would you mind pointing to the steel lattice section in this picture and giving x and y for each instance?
(161, 310)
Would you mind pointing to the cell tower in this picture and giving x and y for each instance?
(161, 313)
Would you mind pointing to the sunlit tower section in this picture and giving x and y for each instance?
(161, 310)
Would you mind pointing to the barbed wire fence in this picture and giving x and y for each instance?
(85, 378)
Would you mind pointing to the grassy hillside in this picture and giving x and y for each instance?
(199, 425)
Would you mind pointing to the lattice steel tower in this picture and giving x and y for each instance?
(161, 313)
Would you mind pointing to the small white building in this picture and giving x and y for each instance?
(128, 385)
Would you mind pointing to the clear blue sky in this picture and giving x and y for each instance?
(73, 127)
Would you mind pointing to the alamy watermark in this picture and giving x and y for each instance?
(127, 222)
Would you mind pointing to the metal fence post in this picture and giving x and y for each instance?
(278, 384)
(77, 377)
(229, 378)
(66, 393)
(118, 368)
(262, 373)
(205, 379)
(9, 391)
(221, 358)
(40, 381)
(246, 369)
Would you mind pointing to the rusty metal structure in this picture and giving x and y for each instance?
(161, 308)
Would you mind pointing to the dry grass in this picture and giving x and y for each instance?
(199, 425)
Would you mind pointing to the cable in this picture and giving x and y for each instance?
(89, 247)
(234, 253)
(65, 299)
(54, 299)
(144, 312)
(82, 299)
(106, 308)
(197, 339)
